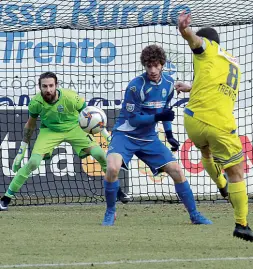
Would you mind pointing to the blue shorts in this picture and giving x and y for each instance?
(153, 153)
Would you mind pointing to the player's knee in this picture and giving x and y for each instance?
(235, 173)
(112, 171)
(114, 162)
(174, 170)
(33, 163)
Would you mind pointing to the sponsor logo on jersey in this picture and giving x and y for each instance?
(149, 90)
(60, 108)
(154, 104)
(225, 54)
(130, 107)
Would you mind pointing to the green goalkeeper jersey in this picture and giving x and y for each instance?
(61, 116)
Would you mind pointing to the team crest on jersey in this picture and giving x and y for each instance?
(130, 107)
(164, 93)
(60, 108)
(133, 89)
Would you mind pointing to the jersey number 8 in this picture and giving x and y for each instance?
(232, 79)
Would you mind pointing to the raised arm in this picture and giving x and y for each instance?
(184, 21)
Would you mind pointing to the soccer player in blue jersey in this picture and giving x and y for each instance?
(147, 101)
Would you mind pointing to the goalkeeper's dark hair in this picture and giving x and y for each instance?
(153, 54)
(209, 33)
(48, 75)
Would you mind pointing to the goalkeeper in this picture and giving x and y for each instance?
(209, 119)
(146, 102)
(58, 110)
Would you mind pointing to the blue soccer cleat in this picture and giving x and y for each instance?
(197, 218)
(109, 218)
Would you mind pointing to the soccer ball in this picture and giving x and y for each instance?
(92, 119)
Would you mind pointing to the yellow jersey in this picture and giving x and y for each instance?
(215, 87)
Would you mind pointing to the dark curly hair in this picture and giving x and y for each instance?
(152, 54)
(48, 75)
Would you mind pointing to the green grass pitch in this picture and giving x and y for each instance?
(144, 236)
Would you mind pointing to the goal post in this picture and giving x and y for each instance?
(94, 48)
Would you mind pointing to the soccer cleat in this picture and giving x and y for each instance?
(123, 197)
(4, 202)
(243, 232)
(197, 218)
(109, 218)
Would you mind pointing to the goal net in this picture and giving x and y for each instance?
(94, 48)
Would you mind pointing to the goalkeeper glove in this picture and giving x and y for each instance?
(173, 142)
(106, 136)
(20, 156)
(166, 115)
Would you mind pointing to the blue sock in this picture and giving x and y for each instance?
(111, 189)
(185, 194)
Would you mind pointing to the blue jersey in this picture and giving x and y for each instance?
(145, 97)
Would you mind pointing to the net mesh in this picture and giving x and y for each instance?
(27, 15)
(94, 48)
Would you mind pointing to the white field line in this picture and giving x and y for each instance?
(48, 265)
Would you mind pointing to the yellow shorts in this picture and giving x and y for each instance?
(226, 148)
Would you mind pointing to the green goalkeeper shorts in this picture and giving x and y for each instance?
(47, 140)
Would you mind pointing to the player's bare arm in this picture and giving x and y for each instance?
(182, 87)
(184, 21)
(29, 129)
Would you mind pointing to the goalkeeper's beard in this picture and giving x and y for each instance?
(49, 98)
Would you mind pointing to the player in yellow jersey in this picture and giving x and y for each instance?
(58, 110)
(209, 119)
